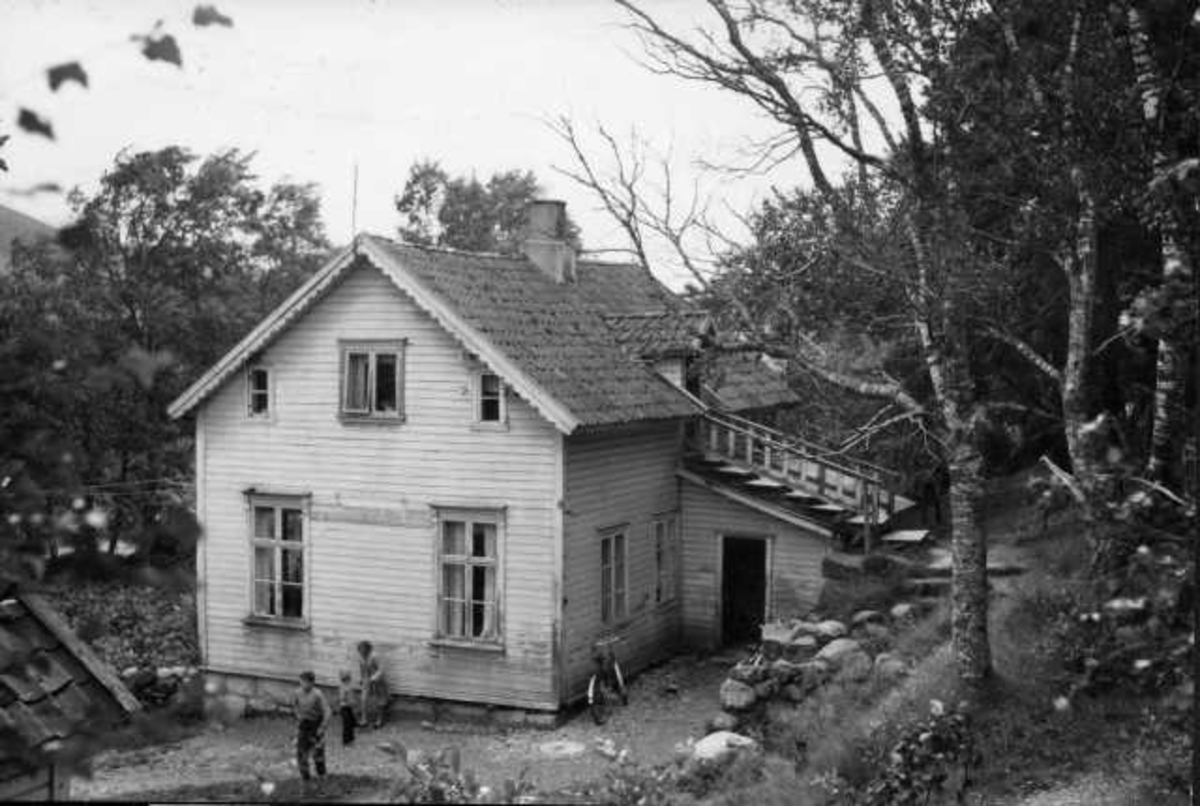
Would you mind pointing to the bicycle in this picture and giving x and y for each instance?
(607, 684)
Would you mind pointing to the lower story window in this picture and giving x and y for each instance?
(468, 593)
(278, 541)
(612, 577)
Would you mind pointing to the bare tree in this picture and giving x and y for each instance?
(825, 71)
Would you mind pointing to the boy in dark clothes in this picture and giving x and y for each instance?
(312, 718)
(346, 707)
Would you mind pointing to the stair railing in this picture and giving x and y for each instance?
(801, 464)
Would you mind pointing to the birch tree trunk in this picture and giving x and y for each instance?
(969, 627)
(1169, 365)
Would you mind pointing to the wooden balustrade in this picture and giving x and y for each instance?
(859, 485)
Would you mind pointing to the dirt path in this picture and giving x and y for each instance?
(650, 727)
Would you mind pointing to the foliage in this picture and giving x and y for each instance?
(931, 759)
(170, 262)
(441, 778)
(130, 625)
(463, 213)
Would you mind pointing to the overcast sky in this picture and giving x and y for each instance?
(315, 86)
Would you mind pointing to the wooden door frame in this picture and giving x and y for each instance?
(768, 562)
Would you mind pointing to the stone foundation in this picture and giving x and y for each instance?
(229, 697)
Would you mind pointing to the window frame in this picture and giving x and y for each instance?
(617, 584)
(477, 401)
(664, 538)
(372, 348)
(269, 413)
(469, 516)
(278, 503)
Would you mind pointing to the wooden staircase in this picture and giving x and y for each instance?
(856, 496)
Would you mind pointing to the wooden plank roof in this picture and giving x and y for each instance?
(53, 689)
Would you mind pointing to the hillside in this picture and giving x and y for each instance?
(16, 225)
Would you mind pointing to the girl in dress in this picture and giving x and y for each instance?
(374, 687)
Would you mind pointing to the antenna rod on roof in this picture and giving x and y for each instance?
(354, 204)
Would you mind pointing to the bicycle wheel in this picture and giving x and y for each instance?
(601, 700)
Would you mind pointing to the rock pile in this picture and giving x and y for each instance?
(800, 655)
(159, 687)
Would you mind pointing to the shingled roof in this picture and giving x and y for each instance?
(660, 334)
(742, 380)
(549, 341)
(54, 691)
(556, 333)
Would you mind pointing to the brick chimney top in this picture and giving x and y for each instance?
(544, 243)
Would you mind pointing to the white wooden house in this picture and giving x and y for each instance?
(482, 464)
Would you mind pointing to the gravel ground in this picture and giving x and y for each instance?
(649, 728)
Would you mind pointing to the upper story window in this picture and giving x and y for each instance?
(490, 406)
(373, 380)
(278, 537)
(258, 392)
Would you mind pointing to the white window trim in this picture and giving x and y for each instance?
(615, 619)
(477, 420)
(269, 415)
(279, 501)
(373, 347)
(495, 515)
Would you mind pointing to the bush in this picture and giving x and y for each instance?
(132, 625)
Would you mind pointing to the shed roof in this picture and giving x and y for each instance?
(741, 380)
(54, 691)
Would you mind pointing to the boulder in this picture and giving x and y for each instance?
(831, 628)
(749, 673)
(783, 671)
(801, 627)
(716, 746)
(802, 647)
(903, 611)
(855, 666)
(793, 693)
(864, 617)
(813, 674)
(736, 695)
(889, 667)
(723, 720)
(835, 650)
(876, 632)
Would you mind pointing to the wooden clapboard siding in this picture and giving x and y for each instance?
(371, 550)
(794, 561)
(620, 477)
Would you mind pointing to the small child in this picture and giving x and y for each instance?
(346, 707)
(312, 717)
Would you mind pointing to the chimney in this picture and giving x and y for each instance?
(544, 243)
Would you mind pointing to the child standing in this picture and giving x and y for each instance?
(312, 717)
(346, 707)
(374, 687)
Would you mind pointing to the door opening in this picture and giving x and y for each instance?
(743, 589)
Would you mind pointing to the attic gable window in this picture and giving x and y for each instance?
(490, 406)
(258, 393)
(372, 380)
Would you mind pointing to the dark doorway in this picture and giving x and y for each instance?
(743, 588)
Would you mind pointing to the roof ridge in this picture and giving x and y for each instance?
(445, 250)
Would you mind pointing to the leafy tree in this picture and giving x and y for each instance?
(464, 213)
(170, 262)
